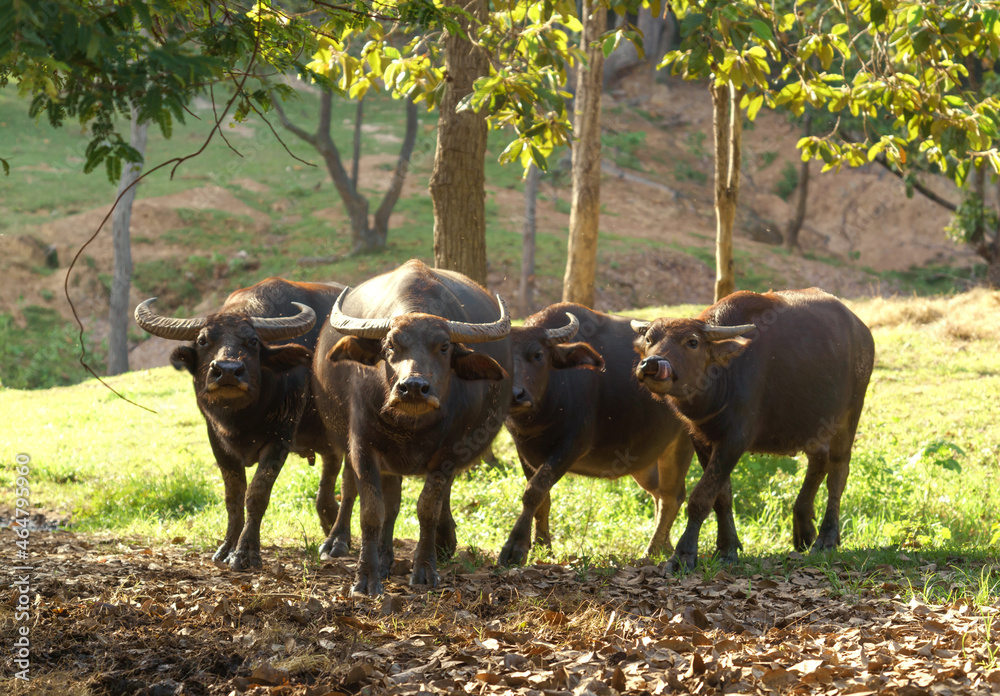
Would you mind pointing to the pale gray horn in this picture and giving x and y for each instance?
(563, 333)
(465, 332)
(715, 333)
(640, 326)
(167, 327)
(281, 328)
(352, 326)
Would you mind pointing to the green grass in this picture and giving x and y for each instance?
(923, 477)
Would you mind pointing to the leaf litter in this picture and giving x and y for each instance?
(111, 617)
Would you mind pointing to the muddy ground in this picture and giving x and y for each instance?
(110, 617)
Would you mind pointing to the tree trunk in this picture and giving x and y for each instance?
(458, 182)
(585, 208)
(728, 122)
(801, 198)
(527, 288)
(993, 269)
(359, 118)
(391, 197)
(119, 313)
(362, 236)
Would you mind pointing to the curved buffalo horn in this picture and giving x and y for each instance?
(167, 327)
(464, 332)
(352, 326)
(639, 326)
(281, 328)
(563, 333)
(715, 333)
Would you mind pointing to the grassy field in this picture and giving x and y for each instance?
(924, 472)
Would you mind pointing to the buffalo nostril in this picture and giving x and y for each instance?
(519, 394)
(425, 389)
(402, 388)
(240, 371)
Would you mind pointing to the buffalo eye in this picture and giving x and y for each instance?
(253, 342)
(692, 343)
(444, 348)
(537, 357)
(203, 340)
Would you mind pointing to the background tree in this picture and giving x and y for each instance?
(367, 234)
(458, 181)
(119, 311)
(527, 286)
(585, 204)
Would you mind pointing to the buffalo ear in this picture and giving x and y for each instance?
(724, 351)
(184, 358)
(366, 351)
(470, 365)
(575, 355)
(287, 357)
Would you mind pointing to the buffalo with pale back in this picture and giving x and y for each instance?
(402, 392)
(779, 373)
(578, 409)
(251, 363)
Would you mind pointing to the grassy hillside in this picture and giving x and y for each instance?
(923, 475)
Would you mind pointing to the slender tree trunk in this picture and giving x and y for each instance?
(359, 119)
(391, 197)
(527, 288)
(362, 237)
(728, 122)
(121, 220)
(585, 208)
(993, 269)
(801, 198)
(458, 182)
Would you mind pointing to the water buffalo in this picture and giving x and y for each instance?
(574, 411)
(401, 392)
(251, 362)
(779, 373)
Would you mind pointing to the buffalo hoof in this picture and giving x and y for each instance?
(727, 556)
(334, 548)
(386, 563)
(513, 554)
(681, 562)
(367, 582)
(803, 539)
(824, 543)
(245, 560)
(222, 554)
(425, 574)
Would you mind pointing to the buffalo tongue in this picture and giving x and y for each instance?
(664, 370)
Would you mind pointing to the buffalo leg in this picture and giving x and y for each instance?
(326, 497)
(234, 479)
(338, 542)
(515, 551)
(713, 491)
(543, 535)
(392, 492)
(246, 555)
(446, 541)
(836, 481)
(428, 514)
(367, 580)
(804, 511)
(667, 489)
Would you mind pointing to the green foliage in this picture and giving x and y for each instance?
(685, 172)
(789, 181)
(44, 353)
(624, 147)
(694, 143)
(972, 219)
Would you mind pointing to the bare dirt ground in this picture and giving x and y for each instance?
(109, 618)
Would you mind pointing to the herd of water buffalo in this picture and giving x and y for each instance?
(413, 373)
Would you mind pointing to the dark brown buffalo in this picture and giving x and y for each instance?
(779, 373)
(251, 362)
(576, 412)
(399, 390)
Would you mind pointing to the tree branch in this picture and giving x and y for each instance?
(308, 137)
(918, 187)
